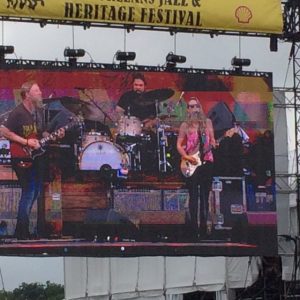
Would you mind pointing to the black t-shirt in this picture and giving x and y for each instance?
(129, 102)
(25, 124)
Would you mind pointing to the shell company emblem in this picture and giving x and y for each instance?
(243, 14)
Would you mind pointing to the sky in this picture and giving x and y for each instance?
(151, 47)
(16, 270)
(48, 43)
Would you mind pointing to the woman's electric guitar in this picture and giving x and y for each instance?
(26, 153)
(188, 169)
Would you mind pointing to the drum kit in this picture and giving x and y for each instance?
(132, 148)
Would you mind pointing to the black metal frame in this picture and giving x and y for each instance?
(292, 34)
(8, 64)
(172, 30)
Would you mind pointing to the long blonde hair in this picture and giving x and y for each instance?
(200, 117)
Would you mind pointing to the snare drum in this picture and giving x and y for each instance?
(131, 126)
(103, 154)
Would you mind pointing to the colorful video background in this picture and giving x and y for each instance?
(149, 199)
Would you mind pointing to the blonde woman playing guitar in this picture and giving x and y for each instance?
(194, 143)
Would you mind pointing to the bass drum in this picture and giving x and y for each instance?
(102, 155)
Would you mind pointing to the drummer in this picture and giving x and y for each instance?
(128, 104)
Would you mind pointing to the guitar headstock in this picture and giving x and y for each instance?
(230, 132)
(75, 120)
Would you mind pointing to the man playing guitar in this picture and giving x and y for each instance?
(24, 127)
(194, 143)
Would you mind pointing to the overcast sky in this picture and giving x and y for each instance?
(151, 47)
(33, 42)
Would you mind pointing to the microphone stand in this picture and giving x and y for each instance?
(99, 107)
(161, 144)
(104, 113)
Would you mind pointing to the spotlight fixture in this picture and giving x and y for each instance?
(6, 50)
(73, 54)
(239, 63)
(173, 58)
(125, 56)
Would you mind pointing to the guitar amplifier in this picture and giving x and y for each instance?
(229, 201)
(10, 194)
(5, 156)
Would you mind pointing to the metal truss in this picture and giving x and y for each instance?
(286, 183)
(292, 34)
(129, 28)
(7, 64)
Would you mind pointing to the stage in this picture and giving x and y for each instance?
(149, 216)
(80, 247)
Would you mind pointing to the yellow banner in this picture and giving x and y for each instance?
(262, 16)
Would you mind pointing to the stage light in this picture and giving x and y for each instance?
(239, 63)
(6, 50)
(74, 52)
(125, 56)
(173, 58)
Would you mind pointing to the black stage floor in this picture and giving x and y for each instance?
(80, 247)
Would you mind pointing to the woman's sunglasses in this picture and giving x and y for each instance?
(193, 106)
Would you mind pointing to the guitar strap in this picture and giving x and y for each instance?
(39, 119)
(202, 138)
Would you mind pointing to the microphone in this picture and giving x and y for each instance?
(49, 99)
(51, 95)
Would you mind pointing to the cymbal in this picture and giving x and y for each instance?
(150, 97)
(87, 109)
(164, 117)
(172, 129)
(65, 100)
(71, 100)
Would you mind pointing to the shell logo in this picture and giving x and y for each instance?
(243, 14)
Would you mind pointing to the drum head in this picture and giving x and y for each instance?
(98, 154)
(130, 126)
(93, 136)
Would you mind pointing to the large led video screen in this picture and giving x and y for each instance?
(150, 162)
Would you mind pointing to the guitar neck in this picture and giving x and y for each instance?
(52, 136)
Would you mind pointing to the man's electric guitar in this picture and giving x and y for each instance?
(188, 169)
(26, 153)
